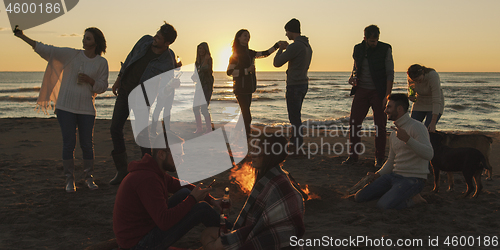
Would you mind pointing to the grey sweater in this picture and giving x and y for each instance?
(298, 55)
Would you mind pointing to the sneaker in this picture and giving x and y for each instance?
(350, 161)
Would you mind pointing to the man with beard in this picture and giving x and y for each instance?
(144, 217)
(372, 80)
(401, 179)
(150, 57)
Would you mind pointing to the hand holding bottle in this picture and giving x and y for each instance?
(353, 79)
(83, 78)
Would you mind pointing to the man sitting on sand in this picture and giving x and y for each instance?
(401, 179)
(144, 217)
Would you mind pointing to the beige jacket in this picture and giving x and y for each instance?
(429, 94)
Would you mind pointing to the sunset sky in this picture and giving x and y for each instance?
(448, 35)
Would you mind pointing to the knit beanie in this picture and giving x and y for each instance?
(293, 26)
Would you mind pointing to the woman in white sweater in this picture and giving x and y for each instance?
(72, 80)
(425, 92)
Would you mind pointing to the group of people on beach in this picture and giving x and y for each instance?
(146, 217)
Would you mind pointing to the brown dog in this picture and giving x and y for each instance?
(469, 161)
(478, 141)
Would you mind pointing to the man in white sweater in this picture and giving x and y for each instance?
(401, 179)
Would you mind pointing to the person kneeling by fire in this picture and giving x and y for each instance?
(273, 212)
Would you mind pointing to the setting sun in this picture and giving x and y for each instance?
(221, 59)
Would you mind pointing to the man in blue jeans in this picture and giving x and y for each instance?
(144, 217)
(150, 57)
(298, 55)
(399, 182)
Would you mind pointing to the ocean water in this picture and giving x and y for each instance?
(472, 100)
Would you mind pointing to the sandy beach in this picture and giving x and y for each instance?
(36, 212)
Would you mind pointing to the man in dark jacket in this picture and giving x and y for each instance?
(298, 55)
(150, 57)
(372, 80)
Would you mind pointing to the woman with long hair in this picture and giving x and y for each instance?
(424, 88)
(72, 80)
(242, 68)
(204, 68)
(274, 211)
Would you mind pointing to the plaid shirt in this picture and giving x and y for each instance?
(273, 213)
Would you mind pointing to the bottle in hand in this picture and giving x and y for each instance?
(80, 72)
(222, 228)
(412, 92)
(354, 78)
(225, 202)
(354, 82)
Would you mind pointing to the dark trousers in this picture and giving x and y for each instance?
(245, 100)
(295, 95)
(421, 115)
(118, 120)
(120, 115)
(363, 100)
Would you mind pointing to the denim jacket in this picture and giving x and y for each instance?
(163, 63)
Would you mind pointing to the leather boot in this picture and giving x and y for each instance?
(88, 169)
(69, 169)
(121, 164)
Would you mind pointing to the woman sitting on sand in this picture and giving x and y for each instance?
(273, 212)
(424, 88)
(205, 73)
(72, 80)
(242, 68)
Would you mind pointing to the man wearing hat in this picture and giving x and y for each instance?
(298, 55)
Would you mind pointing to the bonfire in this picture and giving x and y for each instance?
(243, 176)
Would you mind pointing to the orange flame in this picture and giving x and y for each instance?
(244, 176)
(311, 196)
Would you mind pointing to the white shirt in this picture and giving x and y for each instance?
(64, 90)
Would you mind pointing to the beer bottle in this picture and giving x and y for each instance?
(225, 204)
(80, 72)
(222, 228)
